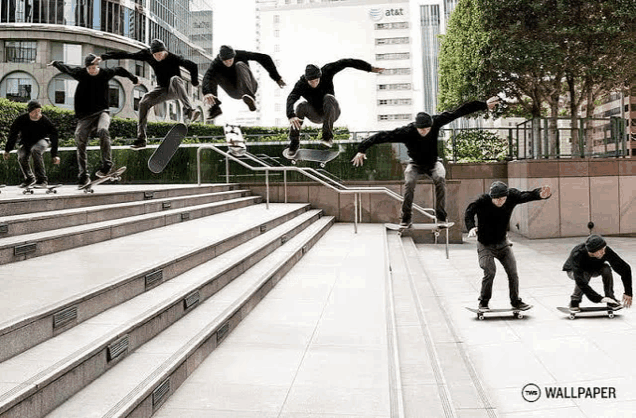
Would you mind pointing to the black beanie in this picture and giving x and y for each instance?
(157, 46)
(88, 60)
(226, 52)
(32, 105)
(312, 72)
(498, 189)
(593, 243)
(423, 120)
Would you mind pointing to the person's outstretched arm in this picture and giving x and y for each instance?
(266, 62)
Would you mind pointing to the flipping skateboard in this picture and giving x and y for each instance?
(516, 313)
(235, 141)
(316, 155)
(113, 176)
(49, 189)
(594, 309)
(435, 227)
(166, 150)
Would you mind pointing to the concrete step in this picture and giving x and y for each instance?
(23, 247)
(45, 296)
(13, 202)
(30, 223)
(141, 382)
(61, 366)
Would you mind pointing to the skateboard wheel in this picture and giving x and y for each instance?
(294, 162)
(322, 165)
(520, 315)
(480, 317)
(572, 316)
(611, 315)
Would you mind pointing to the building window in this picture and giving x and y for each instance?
(397, 86)
(400, 116)
(137, 94)
(393, 56)
(69, 54)
(276, 19)
(174, 110)
(140, 69)
(395, 102)
(392, 41)
(20, 51)
(19, 87)
(396, 71)
(392, 25)
(276, 33)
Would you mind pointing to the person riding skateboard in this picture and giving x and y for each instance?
(231, 70)
(320, 105)
(420, 138)
(595, 258)
(167, 68)
(92, 110)
(36, 133)
(493, 211)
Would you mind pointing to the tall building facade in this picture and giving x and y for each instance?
(400, 36)
(35, 32)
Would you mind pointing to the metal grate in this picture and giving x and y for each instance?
(25, 249)
(305, 249)
(166, 205)
(149, 195)
(185, 216)
(222, 332)
(284, 239)
(153, 278)
(159, 394)
(263, 228)
(64, 316)
(191, 300)
(4, 229)
(117, 348)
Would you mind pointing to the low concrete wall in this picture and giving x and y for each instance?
(376, 207)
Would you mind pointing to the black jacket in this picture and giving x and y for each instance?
(91, 95)
(316, 95)
(579, 262)
(31, 132)
(218, 69)
(421, 149)
(492, 221)
(165, 69)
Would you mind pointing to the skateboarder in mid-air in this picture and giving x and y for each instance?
(92, 110)
(591, 259)
(493, 211)
(231, 70)
(320, 105)
(167, 68)
(34, 128)
(420, 138)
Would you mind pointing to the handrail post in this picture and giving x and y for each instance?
(227, 169)
(267, 188)
(355, 213)
(285, 183)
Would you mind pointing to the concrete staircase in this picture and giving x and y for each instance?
(111, 300)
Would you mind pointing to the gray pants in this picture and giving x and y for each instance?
(608, 283)
(245, 82)
(37, 151)
(175, 90)
(411, 174)
(330, 114)
(503, 253)
(98, 123)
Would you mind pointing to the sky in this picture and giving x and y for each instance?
(234, 24)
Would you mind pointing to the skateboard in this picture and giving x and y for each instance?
(435, 227)
(114, 176)
(517, 313)
(164, 152)
(2, 186)
(315, 155)
(594, 309)
(49, 189)
(235, 141)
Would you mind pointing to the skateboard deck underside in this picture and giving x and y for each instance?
(168, 147)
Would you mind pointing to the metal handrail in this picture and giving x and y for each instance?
(311, 174)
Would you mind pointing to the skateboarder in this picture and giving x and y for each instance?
(92, 110)
(320, 105)
(167, 68)
(594, 258)
(420, 138)
(231, 70)
(36, 132)
(493, 211)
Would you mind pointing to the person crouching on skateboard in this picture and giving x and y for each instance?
(34, 129)
(231, 70)
(92, 110)
(167, 68)
(320, 105)
(493, 211)
(420, 138)
(591, 259)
